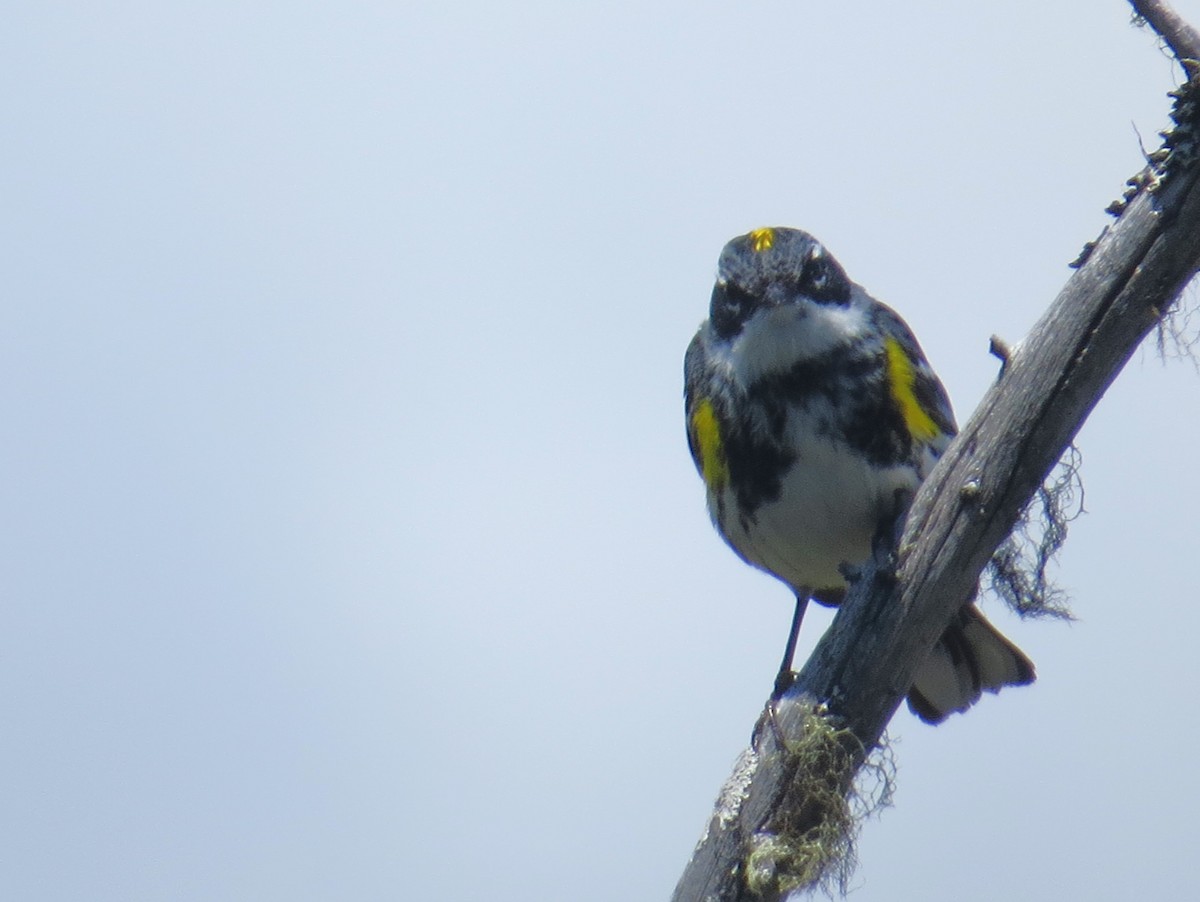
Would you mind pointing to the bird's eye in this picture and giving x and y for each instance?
(731, 307)
(823, 280)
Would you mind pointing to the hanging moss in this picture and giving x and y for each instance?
(811, 842)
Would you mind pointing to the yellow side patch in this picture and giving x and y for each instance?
(707, 434)
(762, 240)
(901, 378)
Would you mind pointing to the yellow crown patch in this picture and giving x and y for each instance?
(762, 240)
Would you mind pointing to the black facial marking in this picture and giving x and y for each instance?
(823, 280)
(731, 306)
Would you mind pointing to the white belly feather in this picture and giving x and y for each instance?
(827, 513)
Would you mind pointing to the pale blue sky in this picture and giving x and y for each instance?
(352, 549)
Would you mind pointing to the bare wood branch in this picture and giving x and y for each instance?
(892, 617)
(1181, 37)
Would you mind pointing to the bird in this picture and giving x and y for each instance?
(811, 411)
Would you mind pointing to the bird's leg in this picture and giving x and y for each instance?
(787, 676)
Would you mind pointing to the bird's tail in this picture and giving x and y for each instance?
(971, 656)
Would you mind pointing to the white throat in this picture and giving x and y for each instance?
(775, 340)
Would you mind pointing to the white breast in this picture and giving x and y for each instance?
(828, 511)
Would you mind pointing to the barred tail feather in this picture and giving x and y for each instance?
(971, 656)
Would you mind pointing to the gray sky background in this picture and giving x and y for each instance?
(352, 549)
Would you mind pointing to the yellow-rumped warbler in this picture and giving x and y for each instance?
(810, 410)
